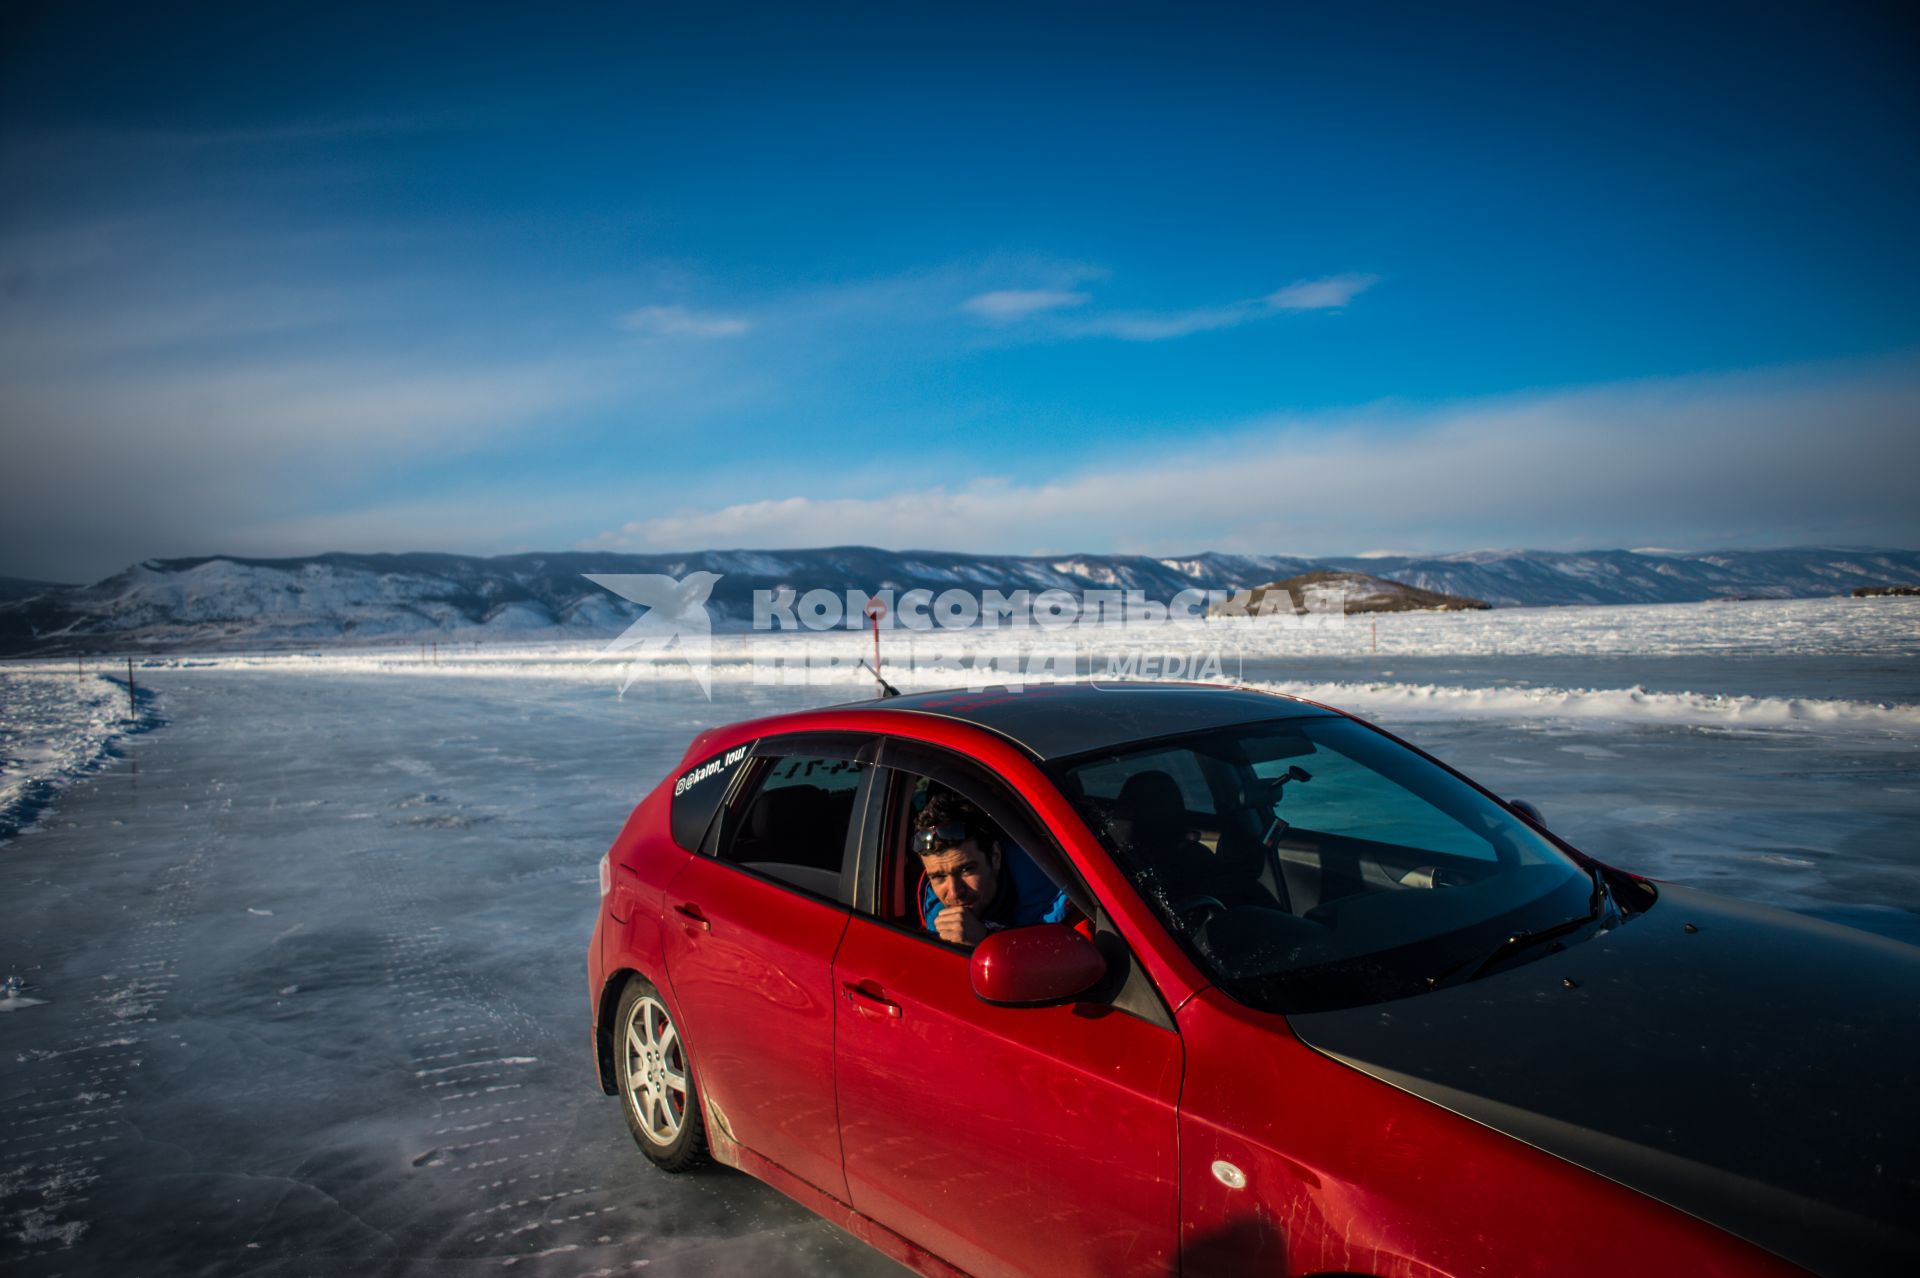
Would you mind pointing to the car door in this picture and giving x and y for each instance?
(752, 930)
(1005, 1140)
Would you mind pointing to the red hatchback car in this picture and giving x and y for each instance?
(1231, 983)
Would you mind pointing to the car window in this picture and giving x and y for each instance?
(1341, 868)
(792, 825)
(1104, 780)
(1344, 796)
(697, 794)
(1025, 893)
(1048, 886)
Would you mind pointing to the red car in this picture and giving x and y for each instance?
(1154, 979)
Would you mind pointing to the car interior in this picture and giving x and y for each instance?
(1204, 839)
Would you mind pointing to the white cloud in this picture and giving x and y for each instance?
(1329, 293)
(678, 321)
(1756, 459)
(1149, 326)
(1006, 305)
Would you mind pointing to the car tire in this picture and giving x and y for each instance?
(655, 1078)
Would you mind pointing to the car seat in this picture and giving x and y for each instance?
(1151, 826)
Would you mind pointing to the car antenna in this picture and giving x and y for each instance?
(876, 609)
(886, 689)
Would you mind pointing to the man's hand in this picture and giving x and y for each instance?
(960, 925)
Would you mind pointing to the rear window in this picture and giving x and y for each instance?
(697, 793)
(796, 826)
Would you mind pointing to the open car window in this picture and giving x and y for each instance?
(912, 773)
(1006, 812)
(904, 891)
(1313, 862)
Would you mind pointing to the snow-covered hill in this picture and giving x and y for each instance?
(1337, 590)
(237, 603)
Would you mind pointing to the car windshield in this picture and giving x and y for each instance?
(1312, 863)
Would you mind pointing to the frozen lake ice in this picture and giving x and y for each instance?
(312, 962)
(300, 970)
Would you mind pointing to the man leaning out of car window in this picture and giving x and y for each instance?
(974, 884)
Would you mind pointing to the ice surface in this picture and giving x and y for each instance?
(1405, 702)
(55, 723)
(312, 962)
(309, 957)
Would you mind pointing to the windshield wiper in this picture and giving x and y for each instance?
(1599, 906)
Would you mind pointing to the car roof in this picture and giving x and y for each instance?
(1058, 720)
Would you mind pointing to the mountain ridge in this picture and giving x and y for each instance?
(222, 601)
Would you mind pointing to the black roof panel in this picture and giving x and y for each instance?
(1055, 720)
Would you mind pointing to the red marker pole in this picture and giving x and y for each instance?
(876, 610)
(133, 706)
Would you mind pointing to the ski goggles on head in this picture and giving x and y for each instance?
(941, 837)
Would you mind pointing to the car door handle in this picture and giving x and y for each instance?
(870, 1003)
(694, 920)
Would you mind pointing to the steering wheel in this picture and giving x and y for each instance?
(1194, 905)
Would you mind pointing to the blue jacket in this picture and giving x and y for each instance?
(1026, 896)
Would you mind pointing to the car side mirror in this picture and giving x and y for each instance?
(1528, 811)
(1039, 966)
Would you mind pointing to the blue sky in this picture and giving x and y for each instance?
(1312, 279)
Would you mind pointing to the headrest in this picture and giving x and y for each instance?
(1150, 816)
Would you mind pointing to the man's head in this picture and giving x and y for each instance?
(957, 851)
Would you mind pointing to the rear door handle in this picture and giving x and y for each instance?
(694, 920)
(870, 1003)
